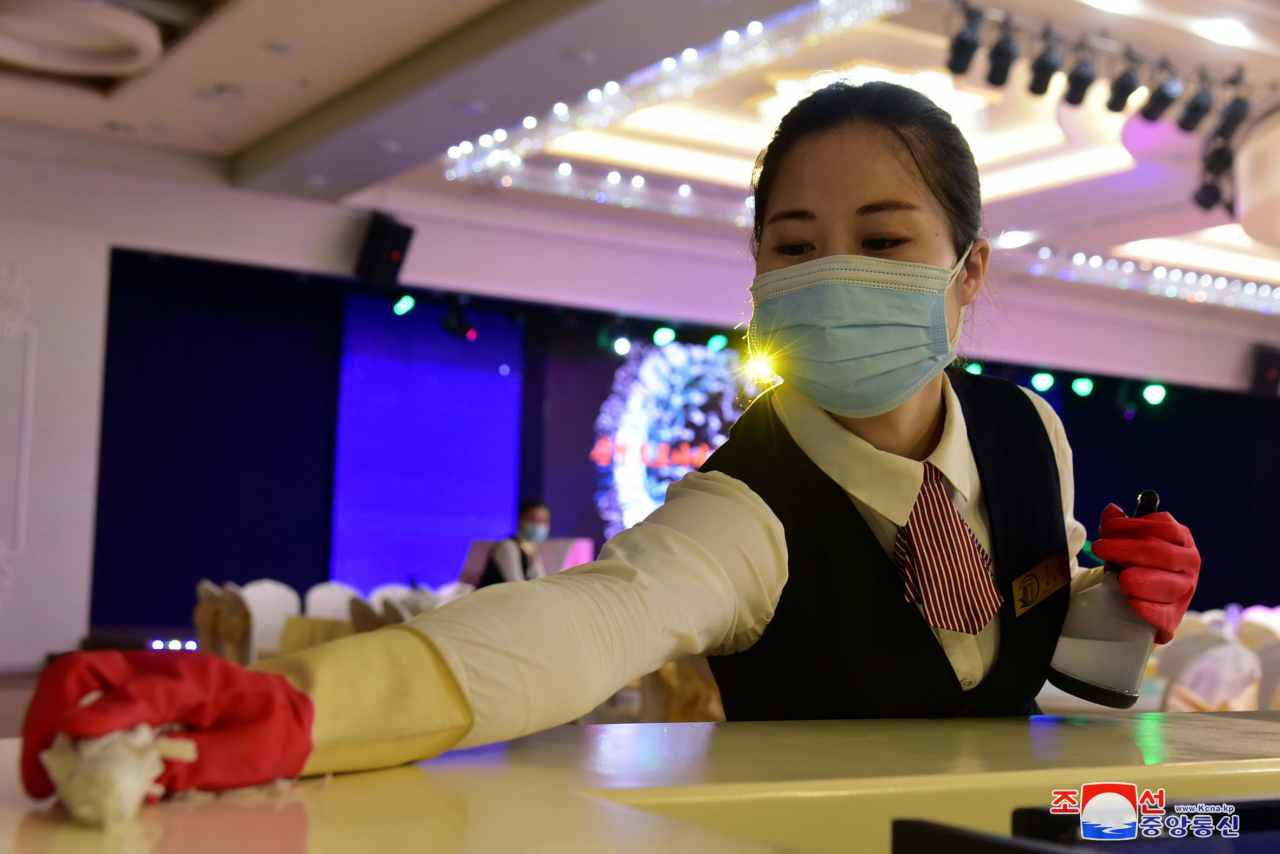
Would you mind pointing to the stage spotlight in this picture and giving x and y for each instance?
(1233, 116)
(663, 335)
(1047, 64)
(1042, 382)
(1003, 54)
(1081, 77)
(1208, 195)
(1218, 161)
(621, 346)
(1200, 105)
(967, 41)
(1124, 85)
(1163, 96)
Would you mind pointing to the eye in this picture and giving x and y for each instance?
(794, 249)
(882, 244)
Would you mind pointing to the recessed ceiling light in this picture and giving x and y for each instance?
(219, 91)
(1226, 31)
(1013, 239)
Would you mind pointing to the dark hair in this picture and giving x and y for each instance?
(531, 504)
(936, 145)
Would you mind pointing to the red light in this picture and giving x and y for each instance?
(471, 335)
(395, 255)
(1272, 373)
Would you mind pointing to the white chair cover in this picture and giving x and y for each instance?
(330, 600)
(270, 604)
(452, 591)
(1224, 678)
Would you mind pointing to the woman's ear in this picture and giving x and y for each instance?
(975, 270)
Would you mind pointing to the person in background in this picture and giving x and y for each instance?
(517, 558)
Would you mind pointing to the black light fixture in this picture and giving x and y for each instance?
(1163, 95)
(967, 41)
(1200, 105)
(1082, 76)
(1003, 54)
(1047, 64)
(1125, 84)
(1218, 160)
(1208, 195)
(1233, 115)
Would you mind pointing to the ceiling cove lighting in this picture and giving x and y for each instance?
(667, 80)
(1056, 171)
(1226, 31)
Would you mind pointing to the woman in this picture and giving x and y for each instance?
(851, 551)
(517, 557)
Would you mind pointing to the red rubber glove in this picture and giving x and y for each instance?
(249, 728)
(1161, 565)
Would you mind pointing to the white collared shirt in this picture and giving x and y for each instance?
(701, 575)
(884, 487)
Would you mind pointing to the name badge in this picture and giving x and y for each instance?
(1033, 587)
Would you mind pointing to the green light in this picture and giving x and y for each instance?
(973, 368)
(1082, 386)
(1042, 382)
(404, 305)
(663, 335)
(1154, 394)
(716, 343)
(622, 346)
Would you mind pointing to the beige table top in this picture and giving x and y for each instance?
(746, 787)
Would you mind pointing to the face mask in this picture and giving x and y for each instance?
(857, 335)
(534, 533)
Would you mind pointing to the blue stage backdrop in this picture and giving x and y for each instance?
(428, 441)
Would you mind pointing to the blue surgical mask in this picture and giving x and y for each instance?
(534, 533)
(857, 335)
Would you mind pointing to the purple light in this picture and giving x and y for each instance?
(1067, 275)
(1129, 414)
(1037, 269)
(601, 198)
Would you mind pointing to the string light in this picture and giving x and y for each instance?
(674, 77)
(1042, 382)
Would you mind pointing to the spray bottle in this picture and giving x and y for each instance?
(1104, 646)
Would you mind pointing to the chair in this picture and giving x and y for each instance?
(474, 565)
(453, 590)
(1269, 685)
(330, 600)
(207, 616)
(398, 602)
(1181, 651)
(270, 604)
(363, 617)
(1255, 634)
(1225, 678)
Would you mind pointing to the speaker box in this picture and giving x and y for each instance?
(1266, 371)
(383, 252)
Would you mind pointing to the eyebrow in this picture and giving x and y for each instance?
(806, 215)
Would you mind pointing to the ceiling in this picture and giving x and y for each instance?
(327, 99)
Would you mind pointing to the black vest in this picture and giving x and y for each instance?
(493, 575)
(844, 642)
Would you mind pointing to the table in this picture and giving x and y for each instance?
(830, 786)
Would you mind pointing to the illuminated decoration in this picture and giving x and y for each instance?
(663, 335)
(1171, 282)
(157, 644)
(1083, 386)
(622, 346)
(1154, 394)
(671, 407)
(758, 44)
(1042, 382)
(973, 368)
(716, 343)
(403, 305)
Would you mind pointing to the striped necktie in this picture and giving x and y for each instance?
(942, 565)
